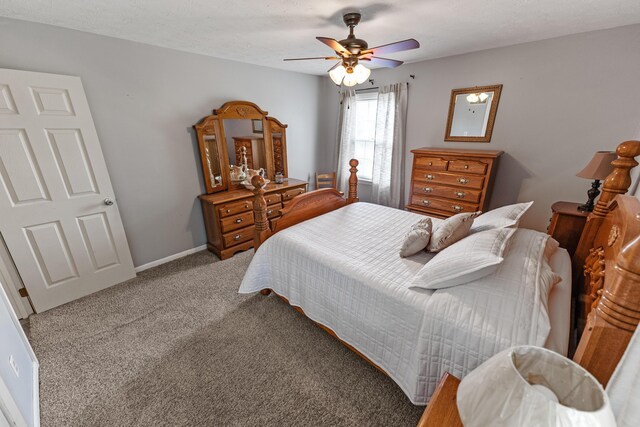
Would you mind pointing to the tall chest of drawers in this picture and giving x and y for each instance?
(445, 182)
(228, 216)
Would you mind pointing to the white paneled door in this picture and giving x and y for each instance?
(58, 214)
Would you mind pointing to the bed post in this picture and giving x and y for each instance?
(353, 181)
(618, 182)
(260, 220)
(615, 317)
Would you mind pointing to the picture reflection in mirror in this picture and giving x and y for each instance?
(471, 114)
(245, 147)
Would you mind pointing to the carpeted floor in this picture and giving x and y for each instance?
(178, 346)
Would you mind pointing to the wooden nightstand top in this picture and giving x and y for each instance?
(568, 208)
(442, 409)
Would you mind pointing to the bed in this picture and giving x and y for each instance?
(336, 261)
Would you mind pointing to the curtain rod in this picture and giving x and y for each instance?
(373, 88)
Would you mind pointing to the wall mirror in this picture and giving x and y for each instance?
(472, 113)
(237, 140)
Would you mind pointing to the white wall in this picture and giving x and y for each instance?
(144, 101)
(13, 343)
(562, 100)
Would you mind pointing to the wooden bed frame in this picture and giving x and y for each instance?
(608, 255)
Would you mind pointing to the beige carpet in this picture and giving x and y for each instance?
(177, 346)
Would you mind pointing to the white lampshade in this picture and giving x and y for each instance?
(362, 73)
(483, 97)
(518, 387)
(473, 97)
(337, 74)
(350, 79)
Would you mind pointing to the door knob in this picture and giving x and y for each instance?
(108, 201)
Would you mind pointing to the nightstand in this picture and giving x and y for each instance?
(566, 224)
(442, 409)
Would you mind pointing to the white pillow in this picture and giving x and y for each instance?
(469, 259)
(506, 216)
(451, 230)
(417, 238)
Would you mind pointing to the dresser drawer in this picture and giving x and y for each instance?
(470, 181)
(235, 208)
(236, 221)
(272, 198)
(467, 166)
(428, 189)
(290, 194)
(451, 206)
(238, 236)
(273, 211)
(431, 163)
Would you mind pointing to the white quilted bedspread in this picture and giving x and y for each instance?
(344, 271)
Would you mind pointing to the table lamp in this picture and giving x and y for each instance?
(532, 386)
(598, 169)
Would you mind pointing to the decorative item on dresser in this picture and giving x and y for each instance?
(445, 182)
(230, 155)
(567, 223)
(228, 217)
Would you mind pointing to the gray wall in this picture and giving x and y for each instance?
(144, 100)
(562, 100)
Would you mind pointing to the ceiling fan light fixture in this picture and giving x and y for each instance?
(483, 96)
(362, 73)
(337, 74)
(473, 98)
(350, 79)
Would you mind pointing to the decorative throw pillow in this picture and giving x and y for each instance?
(417, 238)
(470, 259)
(451, 230)
(506, 216)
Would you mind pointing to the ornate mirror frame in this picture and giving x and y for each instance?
(497, 90)
(274, 134)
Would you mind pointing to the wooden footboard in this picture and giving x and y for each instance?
(302, 208)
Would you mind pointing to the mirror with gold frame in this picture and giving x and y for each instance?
(233, 145)
(472, 113)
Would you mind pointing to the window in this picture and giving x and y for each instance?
(366, 106)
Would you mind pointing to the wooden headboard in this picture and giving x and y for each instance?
(607, 271)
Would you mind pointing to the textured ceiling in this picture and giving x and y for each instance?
(266, 31)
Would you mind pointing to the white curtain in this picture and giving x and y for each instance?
(624, 386)
(346, 137)
(388, 161)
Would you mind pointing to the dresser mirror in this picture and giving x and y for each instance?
(239, 139)
(472, 113)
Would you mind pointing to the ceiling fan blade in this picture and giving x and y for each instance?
(333, 44)
(392, 47)
(382, 62)
(328, 58)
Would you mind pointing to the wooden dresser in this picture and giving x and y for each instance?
(445, 182)
(228, 216)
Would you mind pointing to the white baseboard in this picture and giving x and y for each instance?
(169, 258)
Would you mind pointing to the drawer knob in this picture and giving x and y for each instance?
(457, 208)
(246, 206)
(428, 189)
(428, 176)
(238, 221)
(460, 194)
(426, 202)
(269, 212)
(466, 166)
(430, 163)
(463, 180)
(228, 210)
(236, 237)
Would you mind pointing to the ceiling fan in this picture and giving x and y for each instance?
(351, 51)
